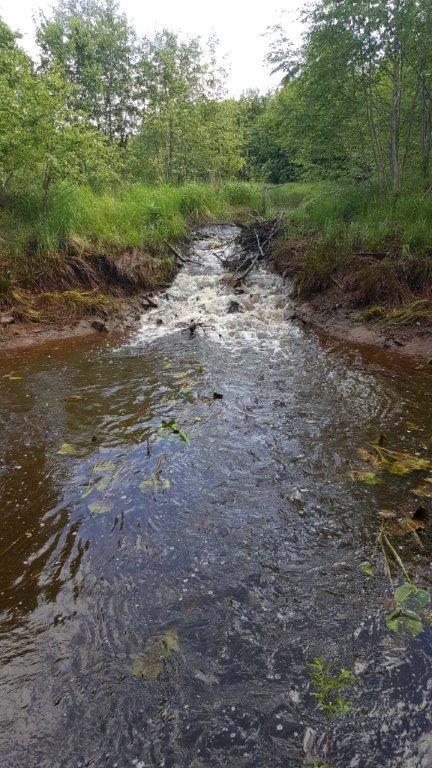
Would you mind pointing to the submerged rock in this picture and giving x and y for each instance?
(7, 319)
(99, 325)
(233, 307)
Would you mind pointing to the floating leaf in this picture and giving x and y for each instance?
(403, 463)
(412, 597)
(424, 490)
(103, 484)
(12, 376)
(172, 427)
(367, 568)
(404, 592)
(207, 679)
(66, 449)
(366, 476)
(99, 507)
(104, 466)
(400, 620)
(371, 458)
(150, 663)
(155, 482)
(410, 600)
(387, 514)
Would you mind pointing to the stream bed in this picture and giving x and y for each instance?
(181, 537)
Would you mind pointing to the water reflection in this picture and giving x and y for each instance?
(247, 540)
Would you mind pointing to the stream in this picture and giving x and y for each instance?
(181, 538)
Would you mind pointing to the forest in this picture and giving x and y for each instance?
(113, 140)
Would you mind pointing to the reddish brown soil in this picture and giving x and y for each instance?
(334, 312)
(26, 334)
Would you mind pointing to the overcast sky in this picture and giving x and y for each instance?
(239, 25)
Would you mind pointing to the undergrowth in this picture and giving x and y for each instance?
(377, 250)
(51, 306)
(37, 245)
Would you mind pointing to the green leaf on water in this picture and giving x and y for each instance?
(404, 463)
(104, 466)
(406, 616)
(154, 482)
(172, 427)
(367, 568)
(103, 484)
(99, 507)
(151, 662)
(401, 620)
(66, 449)
(405, 591)
(366, 476)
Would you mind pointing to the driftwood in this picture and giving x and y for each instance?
(176, 253)
(254, 245)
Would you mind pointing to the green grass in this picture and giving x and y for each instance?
(358, 214)
(378, 248)
(136, 216)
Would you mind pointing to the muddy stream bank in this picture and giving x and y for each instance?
(172, 562)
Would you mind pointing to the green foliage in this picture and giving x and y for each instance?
(93, 47)
(329, 688)
(356, 101)
(408, 610)
(134, 216)
(187, 130)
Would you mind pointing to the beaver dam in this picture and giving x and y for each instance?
(216, 539)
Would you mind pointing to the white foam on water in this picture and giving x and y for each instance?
(199, 295)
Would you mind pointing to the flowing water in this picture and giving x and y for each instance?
(241, 548)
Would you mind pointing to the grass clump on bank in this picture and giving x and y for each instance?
(366, 248)
(107, 242)
(51, 306)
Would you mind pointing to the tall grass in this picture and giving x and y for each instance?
(376, 248)
(136, 215)
(356, 215)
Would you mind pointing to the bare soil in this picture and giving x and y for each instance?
(336, 311)
(125, 317)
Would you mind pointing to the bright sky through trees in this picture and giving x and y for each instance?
(239, 24)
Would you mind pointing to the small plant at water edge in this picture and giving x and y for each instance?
(329, 688)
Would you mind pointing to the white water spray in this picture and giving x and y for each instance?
(199, 296)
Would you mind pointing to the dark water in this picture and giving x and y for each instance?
(252, 554)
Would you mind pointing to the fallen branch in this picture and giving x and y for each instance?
(259, 244)
(176, 253)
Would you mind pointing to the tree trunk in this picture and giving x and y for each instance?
(395, 102)
(425, 113)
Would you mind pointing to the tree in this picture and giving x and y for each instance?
(94, 48)
(363, 89)
(188, 130)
